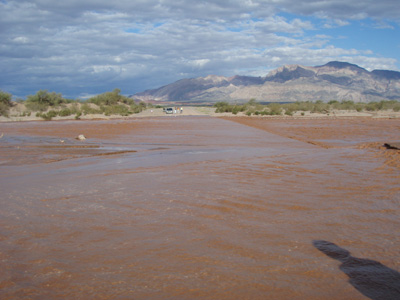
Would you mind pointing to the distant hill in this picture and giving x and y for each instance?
(332, 81)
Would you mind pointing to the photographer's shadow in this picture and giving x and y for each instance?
(369, 277)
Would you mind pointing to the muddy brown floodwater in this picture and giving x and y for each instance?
(200, 208)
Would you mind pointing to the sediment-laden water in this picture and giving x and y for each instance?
(199, 208)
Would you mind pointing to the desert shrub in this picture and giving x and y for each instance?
(289, 112)
(334, 104)
(347, 105)
(87, 109)
(320, 107)
(5, 103)
(127, 101)
(113, 103)
(396, 106)
(376, 106)
(4, 108)
(35, 106)
(25, 114)
(74, 108)
(222, 107)
(45, 99)
(65, 112)
(372, 106)
(238, 108)
(110, 98)
(136, 109)
(5, 98)
(48, 116)
(118, 109)
(304, 105)
(274, 109)
(252, 107)
(359, 107)
(290, 107)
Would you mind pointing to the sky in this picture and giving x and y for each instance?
(81, 48)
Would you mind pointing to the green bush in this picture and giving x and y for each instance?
(48, 116)
(275, 109)
(252, 107)
(346, 105)
(137, 108)
(87, 109)
(110, 98)
(4, 108)
(111, 103)
(320, 107)
(34, 106)
(359, 107)
(118, 109)
(372, 106)
(65, 112)
(46, 99)
(5, 103)
(5, 98)
(289, 112)
(222, 107)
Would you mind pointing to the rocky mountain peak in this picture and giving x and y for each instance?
(215, 78)
(332, 81)
(339, 67)
(386, 74)
(289, 72)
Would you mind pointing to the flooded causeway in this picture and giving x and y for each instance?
(196, 207)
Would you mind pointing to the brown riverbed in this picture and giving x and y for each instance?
(198, 207)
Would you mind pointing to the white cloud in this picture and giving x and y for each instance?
(90, 46)
(21, 40)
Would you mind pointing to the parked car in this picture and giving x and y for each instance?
(169, 110)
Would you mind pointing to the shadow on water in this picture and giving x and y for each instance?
(369, 277)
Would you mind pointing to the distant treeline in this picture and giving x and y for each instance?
(50, 104)
(275, 109)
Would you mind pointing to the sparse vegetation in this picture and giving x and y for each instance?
(5, 103)
(43, 99)
(49, 105)
(113, 103)
(289, 109)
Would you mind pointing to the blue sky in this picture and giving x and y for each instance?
(82, 48)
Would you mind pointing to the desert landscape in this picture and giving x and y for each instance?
(201, 205)
(199, 150)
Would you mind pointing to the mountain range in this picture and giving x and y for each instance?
(332, 81)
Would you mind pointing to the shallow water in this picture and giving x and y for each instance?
(191, 208)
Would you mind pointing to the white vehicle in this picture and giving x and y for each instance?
(169, 110)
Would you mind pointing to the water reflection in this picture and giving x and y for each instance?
(369, 277)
